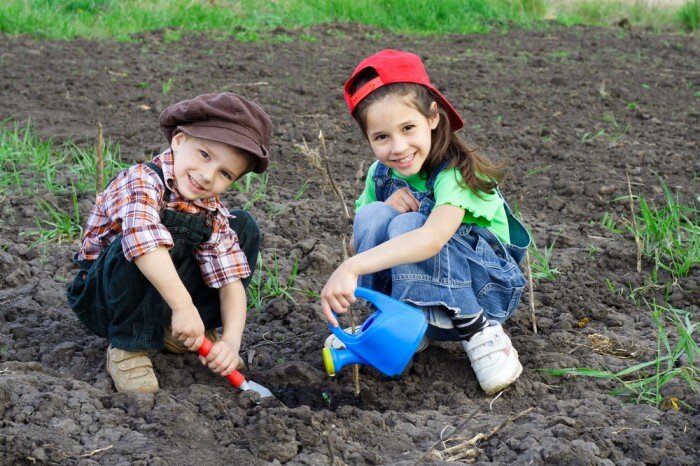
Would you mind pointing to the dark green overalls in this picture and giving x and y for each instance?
(115, 300)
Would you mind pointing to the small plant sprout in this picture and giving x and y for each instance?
(632, 106)
(541, 261)
(618, 130)
(302, 190)
(167, 86)
(610, 224)
(326, 399)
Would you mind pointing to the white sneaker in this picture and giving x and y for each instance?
(493, 358)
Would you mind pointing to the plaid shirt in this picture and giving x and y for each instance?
(131, 206)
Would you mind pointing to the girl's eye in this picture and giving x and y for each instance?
(227, 175)
(204, 154)
(380, 137)
(408, 127)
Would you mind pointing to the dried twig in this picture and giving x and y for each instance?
(637, 240)
(94, 452)
(330, 177)
(457, 430)
(100, 161)
(339, 194)
(531, 291)
(468, 450)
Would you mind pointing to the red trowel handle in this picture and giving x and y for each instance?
(235, 377)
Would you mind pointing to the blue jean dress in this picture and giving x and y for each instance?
(473, 272)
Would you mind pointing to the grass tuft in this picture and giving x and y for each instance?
(654, 382)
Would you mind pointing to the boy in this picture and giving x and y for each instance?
(161, 258)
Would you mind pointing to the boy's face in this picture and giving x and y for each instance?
(204, 168)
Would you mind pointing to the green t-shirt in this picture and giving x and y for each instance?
(488, 212)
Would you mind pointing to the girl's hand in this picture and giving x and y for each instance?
(188, 327)
(222, 358)
(403, 201)
(339, 292)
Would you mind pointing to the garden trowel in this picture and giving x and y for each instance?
(236, 378)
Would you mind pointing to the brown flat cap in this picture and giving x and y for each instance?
(227, 118)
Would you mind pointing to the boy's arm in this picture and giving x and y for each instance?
(223, 357)
(158, 268)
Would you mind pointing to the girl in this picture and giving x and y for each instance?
(431, 227)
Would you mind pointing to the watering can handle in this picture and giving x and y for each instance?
(383, 302)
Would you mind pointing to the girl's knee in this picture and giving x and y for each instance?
(373, 217)
(406, 222)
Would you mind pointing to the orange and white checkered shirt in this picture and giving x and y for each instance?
(131, 205)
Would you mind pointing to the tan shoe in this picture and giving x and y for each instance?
(132, 371)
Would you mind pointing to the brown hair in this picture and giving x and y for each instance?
(479, 174)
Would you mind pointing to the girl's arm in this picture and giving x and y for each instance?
(158, 268)
(223, 357)
(411, 247)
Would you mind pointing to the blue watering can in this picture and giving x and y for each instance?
(386, 340)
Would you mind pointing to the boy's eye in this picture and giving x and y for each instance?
(227, 175)
(204, 154)
(380, 137)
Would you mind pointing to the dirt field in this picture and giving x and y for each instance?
(535, 100)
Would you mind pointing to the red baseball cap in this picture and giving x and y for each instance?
(396, 66)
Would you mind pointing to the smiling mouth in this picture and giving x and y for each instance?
(404, 160)
(194, 183)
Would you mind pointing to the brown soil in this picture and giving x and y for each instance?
(530, 99)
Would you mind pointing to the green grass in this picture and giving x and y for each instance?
(32, 166)
(670, 234)
(56, 225)
(255, 185)
(246, 19)
(653, 382)
(252, 20)
(607, 12)
(268, 283)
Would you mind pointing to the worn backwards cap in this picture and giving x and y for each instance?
(227, 118)
(395, 66)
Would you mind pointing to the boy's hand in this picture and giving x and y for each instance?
(403, 201)
(222, 359)
(188, 327)
(339, 292)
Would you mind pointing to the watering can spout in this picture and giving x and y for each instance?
(387, 340)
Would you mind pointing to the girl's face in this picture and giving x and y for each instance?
(399, 135)
(204, 168)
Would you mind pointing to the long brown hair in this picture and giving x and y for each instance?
(479, 174)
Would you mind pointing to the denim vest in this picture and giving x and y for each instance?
(385, 185)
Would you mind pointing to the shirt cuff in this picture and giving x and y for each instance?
(142, 239)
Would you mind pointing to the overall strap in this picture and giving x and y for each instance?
(159, 172)
(381, 172)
